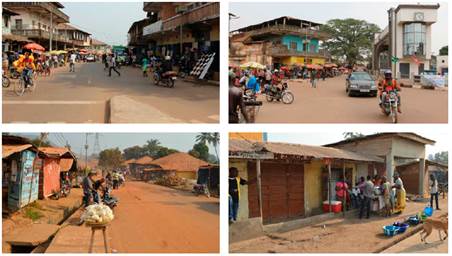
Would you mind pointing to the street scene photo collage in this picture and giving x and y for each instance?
(115, 136)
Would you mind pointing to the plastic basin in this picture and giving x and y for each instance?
(390, 230)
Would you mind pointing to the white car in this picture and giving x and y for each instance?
(90, 58)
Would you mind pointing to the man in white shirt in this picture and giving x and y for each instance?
(72, 59)
(433, 183)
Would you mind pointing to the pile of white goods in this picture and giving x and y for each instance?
(97, 214)
(433, 80)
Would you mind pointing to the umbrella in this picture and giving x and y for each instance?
(313, 66)
(34, 46)
(58, 52)
(252, 64)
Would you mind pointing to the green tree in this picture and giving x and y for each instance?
(134, 152)
(37, 142)
(164, 151)
(211, 138)
(352, 135)
(201, 151)
(444, 50)
(110, 159)
(440, 157)
(349, 39)
(152, 147)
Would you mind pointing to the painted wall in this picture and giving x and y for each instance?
(313, 186)
(300, 60)
(187, 175)
(255, 136)
(51, 176)
(313, 45)
(241, 165)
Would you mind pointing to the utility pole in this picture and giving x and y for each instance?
(86, 150)
(96, 147)
(51, 31)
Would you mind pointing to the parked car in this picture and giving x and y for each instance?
(360, 83)
(90, 58)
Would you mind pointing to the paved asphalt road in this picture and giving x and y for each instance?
(156, 219)
(81, 97)
(328, 103)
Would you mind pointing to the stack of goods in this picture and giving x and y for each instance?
(97, 214)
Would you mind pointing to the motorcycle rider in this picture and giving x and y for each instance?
(384, 87)
(167, 65)
(25, 65)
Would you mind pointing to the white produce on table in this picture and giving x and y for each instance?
(97, 214)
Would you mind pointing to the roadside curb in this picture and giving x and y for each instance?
(123, 109)
(201, 82)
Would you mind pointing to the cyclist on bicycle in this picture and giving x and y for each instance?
(25, 65)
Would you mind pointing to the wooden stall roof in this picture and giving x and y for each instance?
(290, 149)
(56, 152)
(8, 150)
(66, 164)
(181, 162)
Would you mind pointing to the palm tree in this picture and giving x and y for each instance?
(209, 138)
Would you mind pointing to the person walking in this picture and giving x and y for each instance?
(433, 183)
(145, 66)
(313, 77)
(400, 194)
(368, 191)
(72, 59)
(113, 66)
(386, 196)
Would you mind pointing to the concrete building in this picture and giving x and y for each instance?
(99, 47)
(404, 46)
(176, 26)
(38, 22)
(77, 38)
(10, 42)
(442, 65)
(281, 41)
(395, 148)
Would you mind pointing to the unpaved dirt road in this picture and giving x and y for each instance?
(156, 219)
(328, 103)
(349, 235)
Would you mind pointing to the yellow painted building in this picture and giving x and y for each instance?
(294, 60)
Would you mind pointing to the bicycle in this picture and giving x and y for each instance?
(20, 86)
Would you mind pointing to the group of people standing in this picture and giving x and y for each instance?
(91, 185)
(391, 198)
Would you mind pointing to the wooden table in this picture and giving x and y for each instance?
(94, 228)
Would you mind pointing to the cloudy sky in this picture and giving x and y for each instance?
(253, 13)
(107, 21)
(322, 138)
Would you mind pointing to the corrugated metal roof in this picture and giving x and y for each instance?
(406, 135)
(144, 160)
(298, 150)
(56, 152)
(66, 164)
(8, 150)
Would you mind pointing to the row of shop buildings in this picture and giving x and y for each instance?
(294, 180)
(44, 23)
(177, 28)
(30, 173)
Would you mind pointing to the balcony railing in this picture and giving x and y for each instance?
(48, 6)
(289, 29)
(201, 13)
(41, 34)
(152, 28)
(282, 51)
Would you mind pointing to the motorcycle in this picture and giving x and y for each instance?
(272, 93)
(108, 199)
(201, 189)
(13, 73)
(167, 78)
(390, 105)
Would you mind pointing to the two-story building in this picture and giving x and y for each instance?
(10, 42)
(77, 38)
(38, 22)
(135, 40)
(98, 46)
(280, 41)
(404, 46)
(177, 26)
